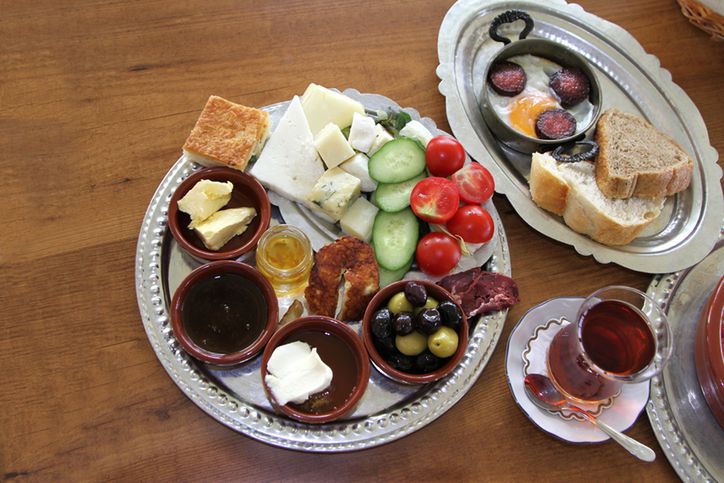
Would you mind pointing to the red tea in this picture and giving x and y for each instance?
(614, 336)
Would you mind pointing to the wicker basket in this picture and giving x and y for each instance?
(703, 17)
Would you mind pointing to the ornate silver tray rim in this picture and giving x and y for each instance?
(693, 245)
(670, 433)
(269, 427)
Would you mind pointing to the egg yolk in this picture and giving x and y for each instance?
(525, 111)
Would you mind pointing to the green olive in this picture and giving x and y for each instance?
(399, 303)
(411, 344)
(444, 342)
(430, 304)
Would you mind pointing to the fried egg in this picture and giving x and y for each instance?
(521, 112)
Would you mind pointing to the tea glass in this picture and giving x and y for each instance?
(620, 336)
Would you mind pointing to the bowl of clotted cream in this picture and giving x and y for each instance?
(315, 369)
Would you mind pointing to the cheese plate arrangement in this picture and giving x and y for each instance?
(323, 274)
(555, 100)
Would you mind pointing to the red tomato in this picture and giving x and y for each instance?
(435, 200)
(437, 253)
(473, 223)
(475, 183)
(444, 156)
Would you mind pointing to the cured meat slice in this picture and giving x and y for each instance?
(480, 292)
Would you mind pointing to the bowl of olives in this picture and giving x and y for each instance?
(414, 332)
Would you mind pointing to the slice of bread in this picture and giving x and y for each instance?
(636, 159)
(570, 190)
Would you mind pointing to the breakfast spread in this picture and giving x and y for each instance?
(295, 372)
(284, 256)
(204, 199)
(540, 98)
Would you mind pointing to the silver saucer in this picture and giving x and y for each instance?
(235, 397)
(631, 80)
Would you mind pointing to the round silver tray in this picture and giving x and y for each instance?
(631, 80)
(686, 429)
(235, 396)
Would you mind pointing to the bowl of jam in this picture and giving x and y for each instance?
(224, 312)
(296, 361)
(247, 192)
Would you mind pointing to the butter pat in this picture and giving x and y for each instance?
(359, 219)
(204, 199)
(334, 191)
(416, 130)
(295, 372)
(332, 146)
(358, 166)
(382, 137)
(322, 106)
(224, 225)
(362, 133)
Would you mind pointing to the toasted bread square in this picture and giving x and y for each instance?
(227, 134)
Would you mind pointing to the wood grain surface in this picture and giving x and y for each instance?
(96, 98)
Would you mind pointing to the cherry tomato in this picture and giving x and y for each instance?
(444, 156)
(437, 253)
(435, 200)
(473, 223)
(475, 183)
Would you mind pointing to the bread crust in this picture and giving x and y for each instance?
(647, 183)
(227, 133)
(553, 193)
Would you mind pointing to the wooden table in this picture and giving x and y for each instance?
(96, 99)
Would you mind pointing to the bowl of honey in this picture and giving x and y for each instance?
(224, 312)
(284, 256)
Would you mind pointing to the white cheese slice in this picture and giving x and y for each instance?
(295, 371)
(334, 192)
(222, 226)
(359, 218)
(382, 137)
(416, 130)
(332, 145)
(205, 198)
(362, 133)
(358, 166)
(322, 106)
(289, 164)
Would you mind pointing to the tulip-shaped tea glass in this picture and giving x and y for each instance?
(619, 336)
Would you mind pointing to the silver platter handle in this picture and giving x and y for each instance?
(510, 16)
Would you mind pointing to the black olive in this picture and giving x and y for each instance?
(415, 294)
(428, 321)
(386, 346)
(400, 362)
(403, 323)
(450, 314)
(426, 362)
(382, 324)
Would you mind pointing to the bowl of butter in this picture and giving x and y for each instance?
(218, 213)
(315, 369)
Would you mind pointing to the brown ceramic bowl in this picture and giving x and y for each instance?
(212, 269)
(710, 352)
(380, 301)
(341, 349)
(248, 192)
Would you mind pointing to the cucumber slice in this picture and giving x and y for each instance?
(395, 196)
(390, 276)
(397, 161)
(394, 238)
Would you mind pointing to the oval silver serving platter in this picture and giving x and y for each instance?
(686, 429)
(235, 396)
(631, 80)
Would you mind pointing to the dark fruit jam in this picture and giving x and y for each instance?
(224, 313)
(337, 354)
(617, 338)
